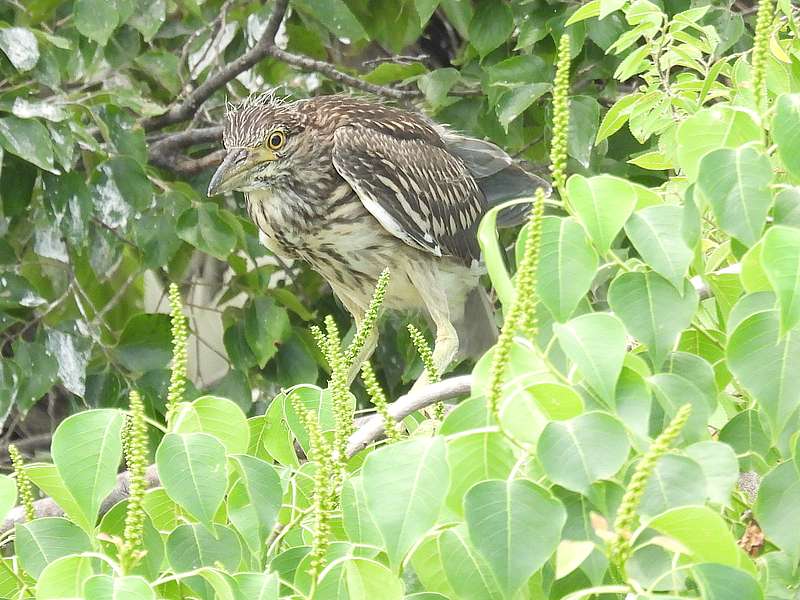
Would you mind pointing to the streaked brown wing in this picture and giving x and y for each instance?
(418, 191)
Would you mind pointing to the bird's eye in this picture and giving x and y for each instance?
(276, 140)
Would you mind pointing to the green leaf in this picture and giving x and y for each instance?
(204, 228)
(657, 234)
(676, 481)
(780, 259)
(28, 139)
(146, 343)
(46, 478)
(437, 84)
(514, 102)
(191, 546)
(258, 586)
(425, 8)
(602, 204)
(263, 497)
(448, 563)
(389, 72)
(473, 458)
(588, 11)
(266, 325)
(584, 117)
(96, 19)
(580, 451)
(710, 129)
(405, 485)
(8, 494)
(736, 184)
(20, 47)
(767, 365)
(87, 450)
(704, 533)
(567, 266)
(652, 310)
(105, 587)
(595, 342)
(215, 416)
(516, 525)
(616, 116)
(491, 26)
(747, 436)
(720, 467)
(148, 17)
(63, 579)
(357, 522)
(358, 579)
(336, 16)
(786, 131)
(40, 542)
(191, 467)
(721, 582)
(777, 507)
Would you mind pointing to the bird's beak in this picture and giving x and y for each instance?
(230, 173)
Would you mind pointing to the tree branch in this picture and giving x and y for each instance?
(368, 431)
(186, 109)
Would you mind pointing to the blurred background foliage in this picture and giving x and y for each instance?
(103, 177)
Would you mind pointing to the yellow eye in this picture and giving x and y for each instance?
(276, 140)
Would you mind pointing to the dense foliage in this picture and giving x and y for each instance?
(631, 435)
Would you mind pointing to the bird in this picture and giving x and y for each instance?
(352, 185)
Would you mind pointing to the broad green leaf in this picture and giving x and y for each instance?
(747, 435)
(405, 485)
(215, 416)
(786, 131)
(336, 16)
(145, 343)
(491, 26)
(595, 342)
(580, 451)
(657, 234)
(149, 17)
(358, 579)
(63, 579)
(602, 204)
(516, 526)
(721, 582)
(515, 101)
(450, 565)
(673, 391)
(570, 555)
(713, 128)
(266, 326)
(777, 507)
(204, 228)
(87, 450)
(474, 458)
(780, 259)
(28, 139)
(257, 510)
(112, 526)
(191, 467)
(41, 541)
(587, 11)
(720, 467)
(652, 310)
(357, 521)
(105, 587)
(258, 586)
(767, 365)
(8, 494)
(191, 546)
(736, 184)
(436, 85)
(526, 412)
(96, 19)
(616, 116)
(584, 119)
(705, 534)
(46, 478)
(20, 47)
(567, 266)
(676, 481)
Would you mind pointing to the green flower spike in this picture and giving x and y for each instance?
(180, 333)
(766, 13)
(136, 459)
(424, 351)
(378, 398)
(558, 145)
(24, 486)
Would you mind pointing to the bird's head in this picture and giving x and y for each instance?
(266, 140)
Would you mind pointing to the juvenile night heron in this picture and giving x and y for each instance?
(353, 186)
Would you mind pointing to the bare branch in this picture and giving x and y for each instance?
(187, 108)
(369, 431)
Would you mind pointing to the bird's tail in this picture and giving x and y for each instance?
(477, 329)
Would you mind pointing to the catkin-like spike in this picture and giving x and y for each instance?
(24, 487)
(342, 411)
(325, 492)
(558, 145)
(180, 334)
(425, 354)
(766, 13)
(378, 398)
(136, 459)
(626, 514)
(521, 315)
(370, 319)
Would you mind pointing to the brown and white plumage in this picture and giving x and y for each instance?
(353, 186)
